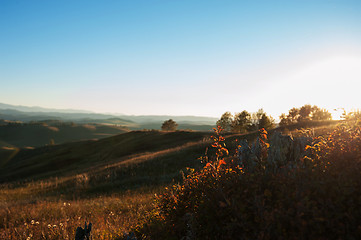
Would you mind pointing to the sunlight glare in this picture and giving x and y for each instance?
(331, 83)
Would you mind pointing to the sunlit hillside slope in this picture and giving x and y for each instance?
(41, 133)
(110, 182)
(124, 149)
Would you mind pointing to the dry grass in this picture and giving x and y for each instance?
(26, 214)
(52, 207)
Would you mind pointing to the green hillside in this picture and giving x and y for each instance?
(44, 133)
(88, 156)
(110, 182)
(154, 150)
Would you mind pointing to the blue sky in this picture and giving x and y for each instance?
(180, 57)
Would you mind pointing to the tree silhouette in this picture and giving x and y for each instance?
(225, 122)
(169, 125)
(284, 121)
(265, 122)
(319, 114)
(293, 114)
(261, 120)
(241, 122)
(304, 113)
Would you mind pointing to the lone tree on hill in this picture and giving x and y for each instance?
(169, 125)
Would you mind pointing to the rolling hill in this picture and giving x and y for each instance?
(110, 182)
(132, 148)
(36, 134)
(152, 150)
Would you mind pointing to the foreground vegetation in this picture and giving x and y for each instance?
(57, 218)
(314, 197)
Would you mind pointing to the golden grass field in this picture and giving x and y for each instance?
(111, 184)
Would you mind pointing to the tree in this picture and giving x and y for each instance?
(169, 125)
(304, 113)
(256, 117)
(319, 114)
(293, 115)
(284, 121)
(265, 122)
(261, 120)
(225, 121)
(241, 122)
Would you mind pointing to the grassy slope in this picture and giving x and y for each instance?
(36, 135)
(149, 154)
(80, 157)
(109, 182)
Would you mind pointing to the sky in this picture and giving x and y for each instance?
(180, 57)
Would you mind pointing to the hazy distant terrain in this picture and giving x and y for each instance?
(27, 114)
(22, 126)
(39, 109)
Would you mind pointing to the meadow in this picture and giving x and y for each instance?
(110, 182)
(152, 183)
(37, 134)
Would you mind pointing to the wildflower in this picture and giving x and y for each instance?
(49, 226)
(54, 226)
(37, 223)
(32, 222)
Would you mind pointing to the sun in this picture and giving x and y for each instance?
(331, 83)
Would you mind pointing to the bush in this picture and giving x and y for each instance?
(318, 198)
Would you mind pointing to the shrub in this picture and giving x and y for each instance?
(318, 198)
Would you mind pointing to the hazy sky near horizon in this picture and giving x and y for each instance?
(180, 57)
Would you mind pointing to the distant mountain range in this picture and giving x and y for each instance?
(39, 109)
(28, 114)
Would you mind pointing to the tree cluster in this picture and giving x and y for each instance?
(304, 113)
(245, 122)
